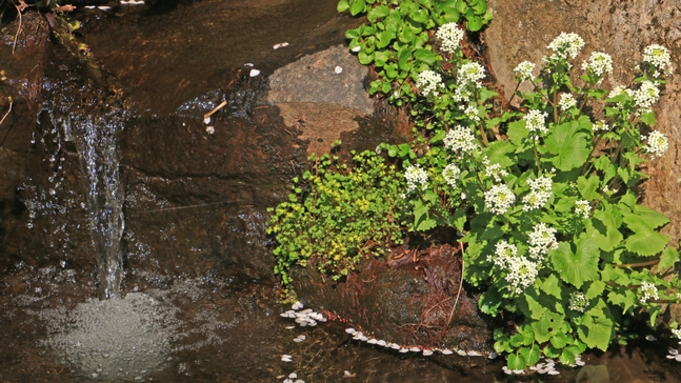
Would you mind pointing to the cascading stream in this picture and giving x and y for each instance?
(97, 141)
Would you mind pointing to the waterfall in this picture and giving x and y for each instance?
(97, 141)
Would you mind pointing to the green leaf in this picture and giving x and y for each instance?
(517, 132)
(602, 228)
(596, 331)
(425, 55)
(654, 218)
(498, 151)
(649, 118)
(580, 266)
(533, 355)
(646, 242)
(489, 302)
(587, 187)
(356, 7)
(342, 6)
(378, 13)
(559, 340)
(474, 23)
(515, 362)
(547, 327)
(569, 145)
(625, 299)
(595, 289)
(668, 258)
(551, 286)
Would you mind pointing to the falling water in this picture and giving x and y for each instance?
(97, 142)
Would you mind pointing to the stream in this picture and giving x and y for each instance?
(133, 237)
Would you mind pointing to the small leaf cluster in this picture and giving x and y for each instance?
(338, 214)
(397, 38)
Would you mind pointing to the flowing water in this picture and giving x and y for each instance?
(143, 206)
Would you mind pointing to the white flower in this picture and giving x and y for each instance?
(582, 208)
(524, 71)
(494, 170)
(450, 36)
(451, 174)
(521, 273)
(656, 144)
(599, 63)
(541, 240)
(503, 252)
(566, 45)
(578, 302)
(658, 56)
(599, 126)
(646, 95)
(649, 292)
(498, 199)
(416, 178)
(677, 333)
(567, 101)
(462, 95)
(472, 113)
(460, 140)
(535, 121)
(621, 90)
(429, 82)
(471, 73)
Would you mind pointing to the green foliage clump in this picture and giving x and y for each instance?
(396, 40)
(338, 214)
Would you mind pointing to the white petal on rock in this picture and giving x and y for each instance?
(427, 352)
(356, 49)
(104, 8)
(351, 331)
(372, 341)
(403, 350)
(673, 351)
(206, 120)
(250, 65)
(210, 130)
(292, 375)
(286, 358)
(461, 352)
(90, 7)
(381, 343)
(415, 349)
(553, 372)
(474, 353)
(254, 72)
(395, 346)
(678, 358)
(447, 351)
(290, 327)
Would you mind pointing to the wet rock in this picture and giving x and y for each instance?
(522, 29)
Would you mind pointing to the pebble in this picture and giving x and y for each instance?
(210, 130)
(104, 8)
(254, 72)
(292, 375)
(447, 351)
(427, 353)
(338, 70)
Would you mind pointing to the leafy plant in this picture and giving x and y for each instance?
(545, 196)
(338, 214)
(396, 40)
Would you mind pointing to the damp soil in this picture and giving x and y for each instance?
(201, 303)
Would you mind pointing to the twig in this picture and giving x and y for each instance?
(8, 112)
(19, 8)
(212, 112)
(458, 294)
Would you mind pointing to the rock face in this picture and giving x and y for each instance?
(521, 30)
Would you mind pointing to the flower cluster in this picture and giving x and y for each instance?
(535, 121)
(582, 208)
(462, 95)
(460, 140)
(677, 333)
(600, 126)
(567, 101)
(646, 95)
(450, 36)
(524, 71)
(498, 199)
(416, 178)
(649, 292)
(658, 56)
(503, 253)
(494, 170)
(566, 45)
(656, 144)
(541, 240)
(599, 63)
(578, 302)
(471, 73)
(451, 174)
(540, 192)
(521, 273)
(472, 113)
(429, 82)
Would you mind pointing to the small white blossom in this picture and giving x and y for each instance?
(524, 71)
(493, 170)
(658, 56)
(582, 208)
(600, 126)
(646, 95)
(450, 36)
(566, 45)
(499, 199)
(621, 90)
(567, 101)
(541, 240)
(416, 177)
(578, 302)
(599, 63)
(460, 140)
(471, 73)
(649, 292)
(503, 252)
(656, 144)
(462, 95)
(521, 273)
(429, 82)
(451, 174)
(472, 113)
(535, 121)
(677, 333)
